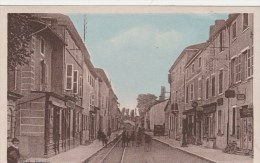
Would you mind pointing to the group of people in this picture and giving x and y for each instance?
(103, 137)
(136, 137)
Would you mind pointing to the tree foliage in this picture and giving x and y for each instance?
(144, 101)
(19, 31)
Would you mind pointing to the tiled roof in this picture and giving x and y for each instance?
(195, 47)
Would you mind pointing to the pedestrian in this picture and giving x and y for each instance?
(109, 132)
(148, 142)
(13, 153)
(99, 135)
(133, 138)
(127, 138)
(104, 139)
(123, 138)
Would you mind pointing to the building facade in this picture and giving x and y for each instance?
(54, 100)
(218, 103)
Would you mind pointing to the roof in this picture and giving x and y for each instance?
(158, 102)
(65, 20)
(195, 47)
(101, 73)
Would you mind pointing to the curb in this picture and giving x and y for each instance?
(87, 159)
(201, 157)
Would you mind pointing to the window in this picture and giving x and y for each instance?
(245, 21)
(80, 86)
(238, 68)
(199, 88)
(207, 88)
(191, 92)
(199, 61)
(187, 72)
(213, 86)
(221, 41)
(234, 30)
(192, 68)
(33, 42)
(220, 122)
(187, 94)
(43, 73)
(69, 77)
(233, 70)
(234, 121)
(75, 81)
(249, 62)
(42, 46)
(220, 82)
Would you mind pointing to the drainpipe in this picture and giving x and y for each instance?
(229, 74)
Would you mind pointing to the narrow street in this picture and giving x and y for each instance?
(159, 153)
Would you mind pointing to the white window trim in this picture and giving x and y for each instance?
(43, 54)
(199, 88)
(77, 82)
(33, 42)
(70, 77)
(15, 78)
(239, 55)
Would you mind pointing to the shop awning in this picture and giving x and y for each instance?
(188, 111)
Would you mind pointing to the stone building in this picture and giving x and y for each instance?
(176, 79)
(219, 86)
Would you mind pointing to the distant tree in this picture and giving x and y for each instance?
(19, 31)
(144, 101)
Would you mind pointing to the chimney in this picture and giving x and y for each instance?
(162, 96)
(214, 28)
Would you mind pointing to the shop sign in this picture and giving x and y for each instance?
(211, 108)
(241, 96)
(230, 93)
(220, 101)
(70, 104)
(246, 112)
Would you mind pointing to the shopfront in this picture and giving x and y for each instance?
(209, 138)
(246, 121)
(190, 115)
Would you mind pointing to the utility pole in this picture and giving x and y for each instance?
(85, 27)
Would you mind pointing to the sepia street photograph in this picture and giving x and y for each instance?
(130, 85)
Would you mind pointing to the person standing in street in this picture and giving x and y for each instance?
(148, 143)
(13, 153)
(124, 138)
(109, 132)
(133, 138)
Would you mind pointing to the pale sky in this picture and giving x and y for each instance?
(137, 50)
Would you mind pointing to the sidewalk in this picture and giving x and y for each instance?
(213, 155)
(77, 154)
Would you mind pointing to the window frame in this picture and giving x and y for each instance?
(199, 60)
(213, 90)
(42, 46)
(234, 32)
(244, 27)
(222, 83)
(71, 85)
(191, 91)
(75, 82)
(207, 88)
